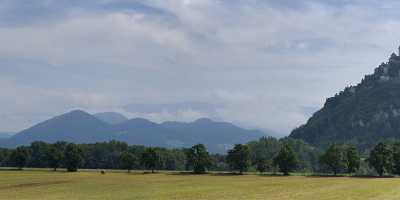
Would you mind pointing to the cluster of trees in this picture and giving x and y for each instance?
(341, 159)
(265, 155)
(41, 154)
(119, 155)
(102, 155)
(385, 158)
(238, 159)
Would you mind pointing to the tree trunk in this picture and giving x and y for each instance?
(286, 173)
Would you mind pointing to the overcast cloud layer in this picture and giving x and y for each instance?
(259, 64)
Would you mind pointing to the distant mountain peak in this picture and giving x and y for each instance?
(204, 120)
(111, 117)
(77, 112)
(80, 127)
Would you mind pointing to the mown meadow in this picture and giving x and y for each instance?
(45, 185)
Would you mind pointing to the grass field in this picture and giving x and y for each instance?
(118, 185)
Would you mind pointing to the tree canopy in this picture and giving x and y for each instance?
(239, 158)
(286, 160)
(198, 158)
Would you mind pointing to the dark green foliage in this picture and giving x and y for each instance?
(362, 115)
(20, 157)
(5, 157)
(380, 159)
(38, 153)
(54, 157)
(396, 158)
(218, 162)
(262, 165)
(239, 158)
(72, 157)
(101, 155)
(198, 158)
(150, 159)
(128, 161)
(264, 148)
(267, 148)
(286, 160)
(334, 158)
(106, 155)
(352, 160)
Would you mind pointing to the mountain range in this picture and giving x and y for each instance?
(6, 135)
(81, 127)
(361, 115)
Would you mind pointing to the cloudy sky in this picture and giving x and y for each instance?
(257, 63)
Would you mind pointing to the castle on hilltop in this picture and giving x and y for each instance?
(390, 70)
(394, 57)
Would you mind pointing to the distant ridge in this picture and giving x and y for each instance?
(73, 126)
(6, 135)
(81, 127)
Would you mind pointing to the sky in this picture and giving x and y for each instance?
(260, 64)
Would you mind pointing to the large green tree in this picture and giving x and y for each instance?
(334, 158)
(72, 157)
(380, 158)
(198, 158)
(20, 157)
(128, 161)
(239, 158)
(54, 157)
(286, 160)
(352, 159)
(150, 159)
(396, 158)
(38, 154)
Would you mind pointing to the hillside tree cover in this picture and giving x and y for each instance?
(361, 115)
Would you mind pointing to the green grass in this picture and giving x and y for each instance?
(88, 185)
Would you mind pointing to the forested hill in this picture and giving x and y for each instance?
(362, 115)
(81, 127)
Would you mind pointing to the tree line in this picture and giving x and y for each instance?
(120, 155)
(265, 155)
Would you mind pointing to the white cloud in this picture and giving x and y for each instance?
(261, 62)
